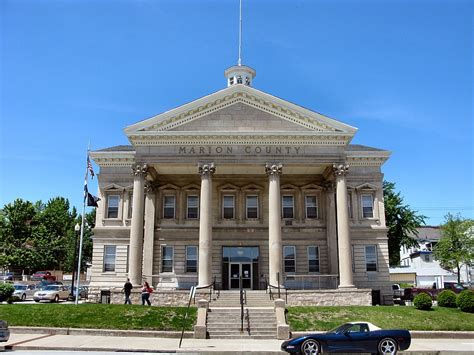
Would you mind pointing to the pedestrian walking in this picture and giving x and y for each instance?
(127, 289)
(146, 291)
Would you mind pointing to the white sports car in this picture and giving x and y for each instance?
(52, 293)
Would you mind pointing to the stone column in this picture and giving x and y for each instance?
(331, 233)
(344, 242)
(149, 237)
(274, 170)
(139, 172)
(206, 170)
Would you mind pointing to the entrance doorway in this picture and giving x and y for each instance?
(237, 270)
(240, 261)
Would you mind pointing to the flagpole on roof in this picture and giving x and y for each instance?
(86, 194)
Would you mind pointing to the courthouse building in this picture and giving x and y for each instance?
(241, 183)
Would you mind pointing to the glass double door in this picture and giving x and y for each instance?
(236, 270)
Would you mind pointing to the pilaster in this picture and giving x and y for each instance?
(148, 240)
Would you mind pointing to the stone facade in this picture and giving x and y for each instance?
(241, 183)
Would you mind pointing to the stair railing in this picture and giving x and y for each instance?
(248, 320)
(212, 289)
(278, 288)
(243, 300)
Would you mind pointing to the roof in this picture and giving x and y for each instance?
(428, 233)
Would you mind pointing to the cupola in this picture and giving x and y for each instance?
(239, 74)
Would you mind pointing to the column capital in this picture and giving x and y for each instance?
(150, 187)
(140, 170)
(274, 168)
(340, 169)
(328, 186)
(206, 169)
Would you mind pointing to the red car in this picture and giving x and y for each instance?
(42, 275)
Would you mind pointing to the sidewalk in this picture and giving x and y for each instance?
(116, 341)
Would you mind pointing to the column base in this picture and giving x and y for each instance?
(346, 286)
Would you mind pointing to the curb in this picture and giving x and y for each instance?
(105, 332)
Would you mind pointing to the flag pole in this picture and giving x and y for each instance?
(79, 262)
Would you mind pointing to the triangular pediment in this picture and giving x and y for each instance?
(241, 110)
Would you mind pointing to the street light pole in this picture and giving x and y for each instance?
(77, 229)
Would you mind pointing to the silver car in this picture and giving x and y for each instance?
(52, 293)
(24, 291)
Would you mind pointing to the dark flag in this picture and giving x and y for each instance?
(89, 167)
(92, 200)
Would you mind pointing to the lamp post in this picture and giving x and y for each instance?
(77, 229)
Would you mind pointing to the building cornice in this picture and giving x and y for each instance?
(113, 159)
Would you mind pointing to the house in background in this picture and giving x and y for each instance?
(418, 265)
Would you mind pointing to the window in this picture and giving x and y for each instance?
(228, 207)
(193, 208)
(287, 206)
(427, 257)
(239, 79)
(167, 259)
(191, 258)
(109, 258)
(168, 207)
(371, 258)
(252, 207)
(289, 256)
(231, 80)
(313, 259)
(311, 207)
(113, 206)
(247, 80)
(367, 206)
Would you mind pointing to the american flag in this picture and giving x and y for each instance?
(89, 167)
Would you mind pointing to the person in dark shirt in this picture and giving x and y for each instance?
(127, 289)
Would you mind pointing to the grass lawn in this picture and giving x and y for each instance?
(325, 318)
(99, 316)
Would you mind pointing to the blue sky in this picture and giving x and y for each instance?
(78, 71)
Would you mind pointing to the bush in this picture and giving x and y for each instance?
(465, 301)
(6, 290)
(447, 298)
(423, 301)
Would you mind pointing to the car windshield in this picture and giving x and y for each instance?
(51, 288)
(339, 329)
(20, 287)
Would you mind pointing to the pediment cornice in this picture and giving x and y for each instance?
(157, 130)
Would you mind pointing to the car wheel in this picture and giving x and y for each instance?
(37, 301)
(310, 347)
(388, 346)
(23, 297)
(56, 298)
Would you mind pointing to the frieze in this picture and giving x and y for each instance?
(238, 150)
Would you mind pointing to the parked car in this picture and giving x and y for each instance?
(454, 286)
(44, 283)
(52, 293)
(42, 275)
(4, 331)
(8, 276)
(353, 337)
(24, 291)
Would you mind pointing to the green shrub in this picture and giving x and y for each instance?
(423, 301)
(447, 298)
(6, 290)
(465, 301)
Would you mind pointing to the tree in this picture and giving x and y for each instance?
(456, 246)
(17, 226)
(402, 222)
